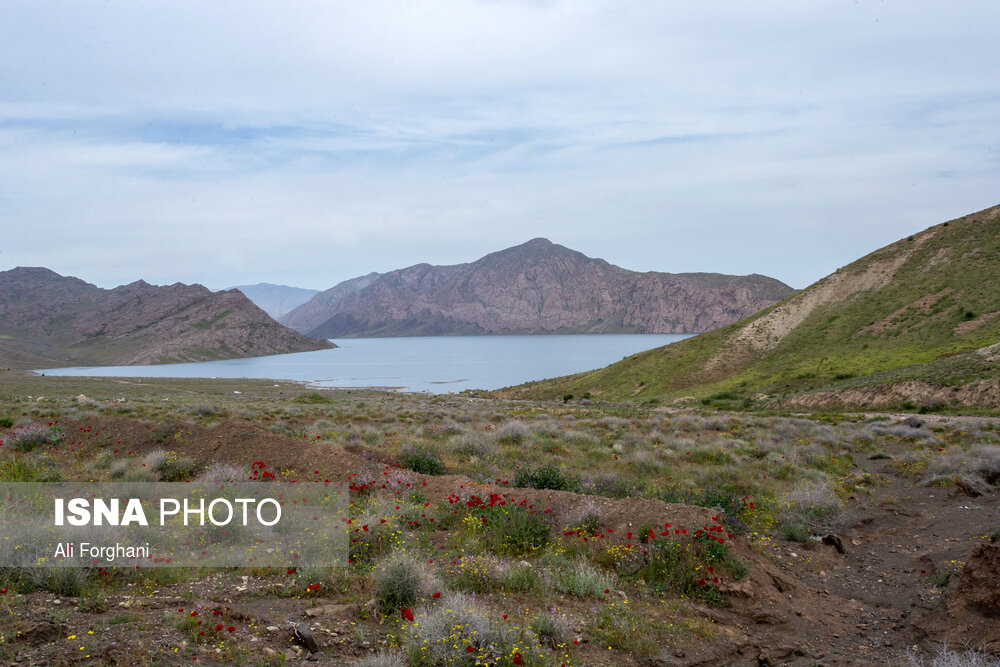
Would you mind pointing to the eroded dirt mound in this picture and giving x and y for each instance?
(230, 441)
(971, 616)
(984, 394)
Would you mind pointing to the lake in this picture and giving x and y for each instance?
(435, 364)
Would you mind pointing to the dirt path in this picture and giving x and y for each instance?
(905, 545)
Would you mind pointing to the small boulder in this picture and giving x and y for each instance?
(835, 542)
(304, 634)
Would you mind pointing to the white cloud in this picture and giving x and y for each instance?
(229, 142)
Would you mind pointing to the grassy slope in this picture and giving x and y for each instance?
(857, 329)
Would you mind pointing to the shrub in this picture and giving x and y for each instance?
(551, 629)
(795, 532)
(614, 485)
(583, 581)
(400, 581)
(522, 579)
(512, 530)
(546, 477)
(138, 475)
(478, 574)
(312, 398)
(422, 461)
(444, 634)
(103, 460)
(170, 466)
(19, 470)
(370, 538)
(26, 438)
(205, 410)
(813, 506)
(66, 581)
(219, 473)
(155, 459)
(677, 566)
(473, 444)
(281, 428)
(945, 656)
(585, 516)
(513, 432)
(623, 628)
(118, 469)
(382, 659)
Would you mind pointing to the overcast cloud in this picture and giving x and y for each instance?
(229, 142)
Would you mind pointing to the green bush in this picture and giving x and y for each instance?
(400, 581)
(370, 538)
(583, 581)
(624, 628)
(63, 581)
(795, 532)
(546, 477)
(669, 565)
(688, 567)
(512, 530)
(422, 461)
(312, 398)
(552, 630)
(19, 470)
(522, 579)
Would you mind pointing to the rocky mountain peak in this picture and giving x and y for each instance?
(535, 287)
(52, 320)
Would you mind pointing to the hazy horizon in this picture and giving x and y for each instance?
(231, 144)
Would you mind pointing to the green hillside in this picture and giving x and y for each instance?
(918, 309)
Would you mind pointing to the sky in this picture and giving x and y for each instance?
(231, 142)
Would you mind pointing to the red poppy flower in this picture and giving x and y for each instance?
(518, 660)
(407, 613)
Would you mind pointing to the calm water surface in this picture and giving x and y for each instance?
(436, 364)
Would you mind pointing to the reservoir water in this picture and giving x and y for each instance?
(435, 364)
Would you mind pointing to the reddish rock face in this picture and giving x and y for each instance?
(49, 319)
(537, 287)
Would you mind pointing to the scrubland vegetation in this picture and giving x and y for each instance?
(481, 532)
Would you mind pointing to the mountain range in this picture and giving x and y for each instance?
(276, 300)
(536, 287)
(913, 324)
(51, 320)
